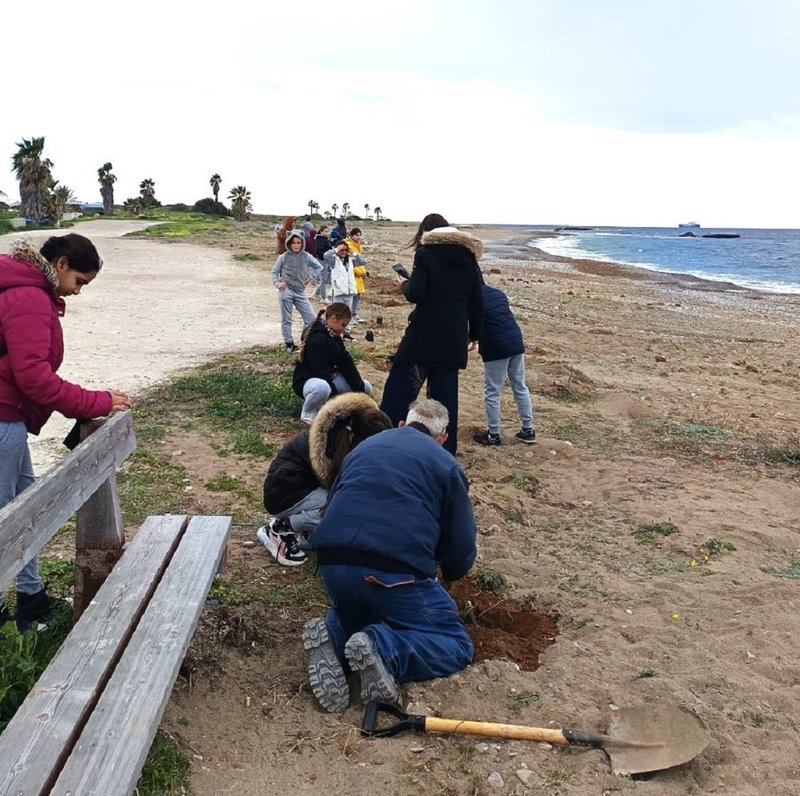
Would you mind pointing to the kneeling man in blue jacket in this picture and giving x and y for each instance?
(398, 509)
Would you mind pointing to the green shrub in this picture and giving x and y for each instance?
(211, 208)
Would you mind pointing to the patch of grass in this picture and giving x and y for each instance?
(150, 483)
(716, 546)
(223, 483)
(644, 674)
(23, 658)
(528, 698)
(247, 257)
(755, 718)
(184, 225)
(166, 771)
(240, 590)
(59, 576)
(781, 455)
(574, 585)
(512, 515)
(490, 580)
(792, 572)
(250, 442)
(229, 396)
(647, 534)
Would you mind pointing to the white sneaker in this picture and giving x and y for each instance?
(307, 417)
(281, 543)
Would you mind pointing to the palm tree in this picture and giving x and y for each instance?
(61, 198)
(377, 212)
(147, 190)
(334, 208)
(106, 180)
(133, 205)
(316, 207)
(345, 210)
(366, 211)
(34, 176)
(241, 203)
(214, 182)
(311, 205)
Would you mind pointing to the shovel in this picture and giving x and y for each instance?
(641, 739)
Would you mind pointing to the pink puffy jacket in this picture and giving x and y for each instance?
(31, 351)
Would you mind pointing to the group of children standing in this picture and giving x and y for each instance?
(333, 258)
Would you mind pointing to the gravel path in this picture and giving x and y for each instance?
(155, 309)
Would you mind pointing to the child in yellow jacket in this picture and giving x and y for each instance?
(359, 267)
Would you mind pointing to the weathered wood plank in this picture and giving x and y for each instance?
(33, 745)
(108, 758)
(32, 519)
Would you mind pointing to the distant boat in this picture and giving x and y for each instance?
(692, 224)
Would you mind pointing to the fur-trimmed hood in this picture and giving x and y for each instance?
(455, 236)
(25, 251)
(338, 408)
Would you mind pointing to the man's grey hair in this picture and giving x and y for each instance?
(430, 414)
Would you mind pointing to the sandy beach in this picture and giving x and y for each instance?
(655, 522)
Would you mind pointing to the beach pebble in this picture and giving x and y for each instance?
(416, 750)
(546, 746)
(524, 775)
(248, 544)
(495, 779)
(482, 747)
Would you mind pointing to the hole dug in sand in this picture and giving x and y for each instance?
(501, 627)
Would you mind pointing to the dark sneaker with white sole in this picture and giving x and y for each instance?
(326, 676)
(526, 435)
(377, 682)
(487, 438)
(281, 541)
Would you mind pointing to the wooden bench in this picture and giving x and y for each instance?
(88, 724)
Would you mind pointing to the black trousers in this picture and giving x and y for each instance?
(404, 384)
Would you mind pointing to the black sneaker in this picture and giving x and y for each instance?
(526, 435)
(34, 607)
(291, 347)
(485, 438)
(279, 539)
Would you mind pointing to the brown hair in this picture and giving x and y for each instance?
(348, 431)
(431, 221)
(338, 310)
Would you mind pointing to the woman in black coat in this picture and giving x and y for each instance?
(445, 285)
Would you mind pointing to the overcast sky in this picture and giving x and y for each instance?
(619, 112)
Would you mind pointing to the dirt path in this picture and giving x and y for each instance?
(155, 308)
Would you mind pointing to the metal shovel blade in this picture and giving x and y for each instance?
(669, 736)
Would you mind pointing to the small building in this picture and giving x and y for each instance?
(92, 207)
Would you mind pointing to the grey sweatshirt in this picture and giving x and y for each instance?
(295, 269)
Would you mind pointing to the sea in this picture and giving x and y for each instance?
(760, 259)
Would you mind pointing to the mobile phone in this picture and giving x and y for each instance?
(400, 271)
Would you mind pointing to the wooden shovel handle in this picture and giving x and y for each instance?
(433, 724)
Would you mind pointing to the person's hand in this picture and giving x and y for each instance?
(280, 284)
(401, 279)
(472, 345)
(120, 401)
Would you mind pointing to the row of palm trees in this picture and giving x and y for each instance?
(313, 208)
(42, 197)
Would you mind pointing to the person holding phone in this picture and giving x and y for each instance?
(445, 286)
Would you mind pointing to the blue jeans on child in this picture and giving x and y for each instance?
(288, 299)
(413, 621)
(317, 391)
(494, 377)
(16, 474)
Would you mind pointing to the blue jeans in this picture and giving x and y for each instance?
(317, 391)
(288, 298)
(305, 515)
(16, 474)
(402, 387)
(356, 303)
(494, 377)
(413, 621)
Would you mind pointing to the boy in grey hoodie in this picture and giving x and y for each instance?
(290, 275)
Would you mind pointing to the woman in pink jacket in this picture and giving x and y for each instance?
(32, 289)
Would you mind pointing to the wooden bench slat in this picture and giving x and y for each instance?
(29, 521)
(32, 746)
(112, 749)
